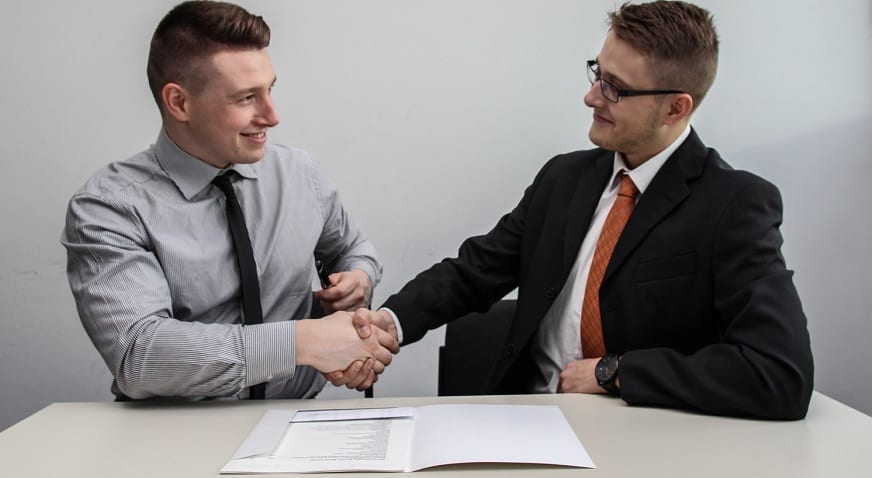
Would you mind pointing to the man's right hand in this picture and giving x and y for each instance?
(332, 344)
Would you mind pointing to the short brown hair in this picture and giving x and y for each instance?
(193, 31)
(678, 39)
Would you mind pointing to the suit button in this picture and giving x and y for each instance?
(510, 350)
(550, 293)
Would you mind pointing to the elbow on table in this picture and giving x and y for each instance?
(790, 399)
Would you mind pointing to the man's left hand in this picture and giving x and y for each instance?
(349, 291)
(579, 377)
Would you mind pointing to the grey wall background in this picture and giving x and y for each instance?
(432, 117)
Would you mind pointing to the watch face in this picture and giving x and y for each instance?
(606, 367)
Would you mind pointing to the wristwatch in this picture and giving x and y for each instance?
(607, 372)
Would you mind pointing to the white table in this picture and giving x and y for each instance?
(195, 440)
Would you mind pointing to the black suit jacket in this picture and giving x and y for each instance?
(696, 296)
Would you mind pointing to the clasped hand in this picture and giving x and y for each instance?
(337, 340)
(361, 375)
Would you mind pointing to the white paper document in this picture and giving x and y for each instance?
(407, 439)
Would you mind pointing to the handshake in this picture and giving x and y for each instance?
(350, 349)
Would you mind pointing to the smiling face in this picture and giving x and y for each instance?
(636, 126)
(227, 122)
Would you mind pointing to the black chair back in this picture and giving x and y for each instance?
(473, 344)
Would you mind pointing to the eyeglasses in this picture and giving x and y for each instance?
(612, 92)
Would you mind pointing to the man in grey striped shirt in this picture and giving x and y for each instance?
(151, 262)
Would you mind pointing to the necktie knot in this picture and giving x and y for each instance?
(628, 187)
(225, 183)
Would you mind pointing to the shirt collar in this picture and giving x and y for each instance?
(643, 174)
(190, 174)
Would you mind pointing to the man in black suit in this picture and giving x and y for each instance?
(696, 306)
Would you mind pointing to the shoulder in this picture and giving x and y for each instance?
(568, 168)
(704, 167)
(725, 194)
(578, 160)
(111, 199)
(121, 179)
(720, 176)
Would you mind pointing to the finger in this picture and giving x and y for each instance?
(336, 382)
(383, 320)
(328, 295)
(362, 375)
(364, 314)
(347, 304)
(371, 379)
(383, 355)
(378, 367)
(341, 377)
(343, 284)
(327, 306)
(353, 300)
(387, 340)
(361, 323)
(355, 384)
(338, 290)
(350, 374)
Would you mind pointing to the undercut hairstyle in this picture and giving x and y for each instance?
(187, 37)
(677, 39)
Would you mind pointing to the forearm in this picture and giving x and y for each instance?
(722, 379)
(484, 272)
(164, 357)
(168, 358)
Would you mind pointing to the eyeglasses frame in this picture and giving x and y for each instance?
(597, 76)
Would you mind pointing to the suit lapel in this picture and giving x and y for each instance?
(667, 190)
(582, 205)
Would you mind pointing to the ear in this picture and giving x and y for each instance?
(679, 109)
(175, 101)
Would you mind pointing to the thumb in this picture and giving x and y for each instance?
(361, 323)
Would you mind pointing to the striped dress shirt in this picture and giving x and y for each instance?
(152, 268)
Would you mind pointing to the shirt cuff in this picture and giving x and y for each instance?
(396, 323)
(270, 352)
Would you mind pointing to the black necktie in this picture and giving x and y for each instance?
(251, 310)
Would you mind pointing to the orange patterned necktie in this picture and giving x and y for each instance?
(591, 323)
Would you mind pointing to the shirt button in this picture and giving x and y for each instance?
(550, 293)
